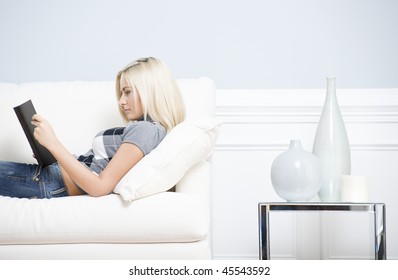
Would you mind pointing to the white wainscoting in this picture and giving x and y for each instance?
(258, 125)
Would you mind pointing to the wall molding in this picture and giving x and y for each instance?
(276, 147)
(304, 107)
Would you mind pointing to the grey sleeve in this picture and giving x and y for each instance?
(145, 135)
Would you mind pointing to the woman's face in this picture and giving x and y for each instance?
(130, 101)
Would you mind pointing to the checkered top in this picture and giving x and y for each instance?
(145, 135)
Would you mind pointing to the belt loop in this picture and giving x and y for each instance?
(37, 174)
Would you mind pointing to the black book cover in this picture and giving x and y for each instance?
(24, 113)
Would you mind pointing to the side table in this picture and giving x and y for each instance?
(377, 209)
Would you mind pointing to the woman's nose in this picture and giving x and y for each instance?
(122, 101)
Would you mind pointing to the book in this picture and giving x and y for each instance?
(24, 112)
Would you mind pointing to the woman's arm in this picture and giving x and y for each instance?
(96, 185)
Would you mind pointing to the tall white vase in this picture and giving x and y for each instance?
(331, 146)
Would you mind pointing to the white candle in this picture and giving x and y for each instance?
(354, 188)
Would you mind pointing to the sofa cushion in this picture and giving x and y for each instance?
(183, 147)
(107, 219)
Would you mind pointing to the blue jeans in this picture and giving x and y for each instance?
(31, 180)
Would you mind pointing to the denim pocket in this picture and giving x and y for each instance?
(60, 192)
(53, 184)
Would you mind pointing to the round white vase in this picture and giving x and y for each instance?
(296, 173)
(331, 146)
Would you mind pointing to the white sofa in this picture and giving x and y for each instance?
(165, 225)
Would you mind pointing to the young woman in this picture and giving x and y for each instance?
(149, 100)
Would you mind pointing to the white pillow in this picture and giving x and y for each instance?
(184, 146)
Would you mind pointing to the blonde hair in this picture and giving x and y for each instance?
(160, 95)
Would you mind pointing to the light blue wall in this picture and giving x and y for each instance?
(239, 44)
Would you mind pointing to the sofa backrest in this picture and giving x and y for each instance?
(78, 110)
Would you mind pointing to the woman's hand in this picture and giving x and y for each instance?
(44, 132)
